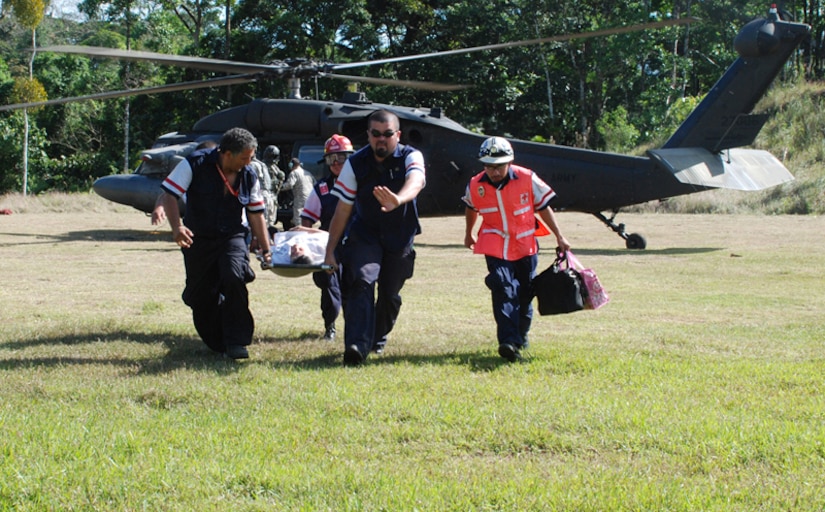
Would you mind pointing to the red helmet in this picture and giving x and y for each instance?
(338, 144)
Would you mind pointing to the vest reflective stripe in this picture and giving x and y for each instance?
(494, 231)
(505, 234)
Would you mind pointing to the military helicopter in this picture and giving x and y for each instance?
(704, 153)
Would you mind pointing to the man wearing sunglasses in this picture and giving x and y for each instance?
(320, 207)
(377, 189)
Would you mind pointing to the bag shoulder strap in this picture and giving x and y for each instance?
(573, 260)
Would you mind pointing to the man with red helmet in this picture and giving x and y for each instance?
(320, 207)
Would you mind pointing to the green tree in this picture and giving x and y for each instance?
(28, 13)
(618, 133)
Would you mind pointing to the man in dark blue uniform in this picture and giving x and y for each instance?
(320, 207)
(219, 184)
(378, 187)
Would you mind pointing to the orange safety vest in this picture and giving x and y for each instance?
(508, 221)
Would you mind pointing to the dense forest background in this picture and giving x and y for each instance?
(618, 93)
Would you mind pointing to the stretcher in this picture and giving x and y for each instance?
(293, 269)
(314, 243)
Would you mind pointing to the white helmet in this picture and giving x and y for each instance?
(495, 150)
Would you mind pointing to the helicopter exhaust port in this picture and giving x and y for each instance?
(759, 37)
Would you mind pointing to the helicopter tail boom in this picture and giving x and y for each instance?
(723, 119)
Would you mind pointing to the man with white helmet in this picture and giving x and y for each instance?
(508, 197)
(320, 207)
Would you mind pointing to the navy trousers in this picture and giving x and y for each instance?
(330, 285)
(509, 283)
(366, 265)
(217, 270)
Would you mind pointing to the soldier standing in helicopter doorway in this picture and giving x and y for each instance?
(320, 207)
(300, 182)
(508, 197)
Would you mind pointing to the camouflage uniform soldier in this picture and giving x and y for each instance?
(270, 158)
(263, 173)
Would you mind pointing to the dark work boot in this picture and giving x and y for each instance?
(353, 356)
(509, 352)
(237, 352)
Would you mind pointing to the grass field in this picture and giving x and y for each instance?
(699, 387)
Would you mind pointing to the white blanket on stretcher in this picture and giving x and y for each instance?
(314, 242)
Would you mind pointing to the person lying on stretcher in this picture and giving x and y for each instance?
(299, 246)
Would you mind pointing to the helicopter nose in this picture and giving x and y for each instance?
(133, 190)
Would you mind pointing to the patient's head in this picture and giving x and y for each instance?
(299, 254)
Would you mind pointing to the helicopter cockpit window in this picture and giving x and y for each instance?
(161, 161)
(310, 156)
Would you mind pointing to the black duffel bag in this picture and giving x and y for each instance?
(559, 289)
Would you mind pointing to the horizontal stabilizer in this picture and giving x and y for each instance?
(738, 169)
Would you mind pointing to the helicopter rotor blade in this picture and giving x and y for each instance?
(527, 42)
(182, 86)
(299, 69)
(208, 64)
(412, 84)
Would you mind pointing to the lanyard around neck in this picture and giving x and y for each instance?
(225, 182)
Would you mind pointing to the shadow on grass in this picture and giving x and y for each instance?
(670, 251)
(92, 235)
(188, 352)
(550, 251)
(96, 337)
(481, 361)
(120, 235)
(184, 351)
(297, 338)
(440, 246)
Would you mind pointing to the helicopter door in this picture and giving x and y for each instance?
(311, 156)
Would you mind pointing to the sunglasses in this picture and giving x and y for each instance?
(389, 133)
(495, 167)
(336, 158)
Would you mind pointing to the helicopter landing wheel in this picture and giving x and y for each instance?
(632, 241)
(635, 241)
